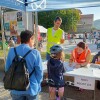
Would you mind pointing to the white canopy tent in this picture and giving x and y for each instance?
(42, 29)
(13, 4)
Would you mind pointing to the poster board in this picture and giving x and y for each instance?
(15, 22)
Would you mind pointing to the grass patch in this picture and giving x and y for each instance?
(2, 53)
(43, 55)
(67, 56)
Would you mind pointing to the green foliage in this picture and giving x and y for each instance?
(73, 17)
(70, 18)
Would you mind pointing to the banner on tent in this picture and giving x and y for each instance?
(34, 5)
(13, 4)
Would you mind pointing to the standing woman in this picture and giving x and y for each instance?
(80, 55)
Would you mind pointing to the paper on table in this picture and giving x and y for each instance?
(95, 66)
(69, 68)
(66, 65)
(96, 72)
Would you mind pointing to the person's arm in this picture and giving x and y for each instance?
(8, 61)
(47, 35)
(64, 68)
(9, 43)
(48, 70)
(39, 68)
(62, 41)
(63, 38)
(71, 58)
(87, 60)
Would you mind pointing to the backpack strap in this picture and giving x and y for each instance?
(16, 55)
(31, 72)
(27, 53)
(24, 57)
(15, 51)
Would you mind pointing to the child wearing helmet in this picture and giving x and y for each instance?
(55, 71)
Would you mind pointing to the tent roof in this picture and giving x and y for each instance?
(45, 5)
(13, 4)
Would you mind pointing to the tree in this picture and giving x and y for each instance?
(70, 18)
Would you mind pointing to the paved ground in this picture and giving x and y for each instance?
(5, 94)
(70, 92)
(69, 47)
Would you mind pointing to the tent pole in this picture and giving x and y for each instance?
(27, 21)
(36, 29)
(2, 31)
(33, 25)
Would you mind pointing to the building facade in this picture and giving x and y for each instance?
(85, 24)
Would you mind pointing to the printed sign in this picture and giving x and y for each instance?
(7, 26)
(84, 82)
(19, 16)
(13, 27)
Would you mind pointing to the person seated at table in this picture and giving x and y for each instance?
(96, 58)
(80, 55)
(56, 69)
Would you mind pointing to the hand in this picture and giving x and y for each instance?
(62, 41)
(70, 64)
(77, 65)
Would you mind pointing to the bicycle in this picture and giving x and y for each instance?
(50, 81)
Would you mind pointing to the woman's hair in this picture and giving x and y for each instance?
(81, 45)
(59, 55)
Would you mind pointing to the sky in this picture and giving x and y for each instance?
(92, 10)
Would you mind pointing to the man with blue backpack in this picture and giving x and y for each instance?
(23, 69)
